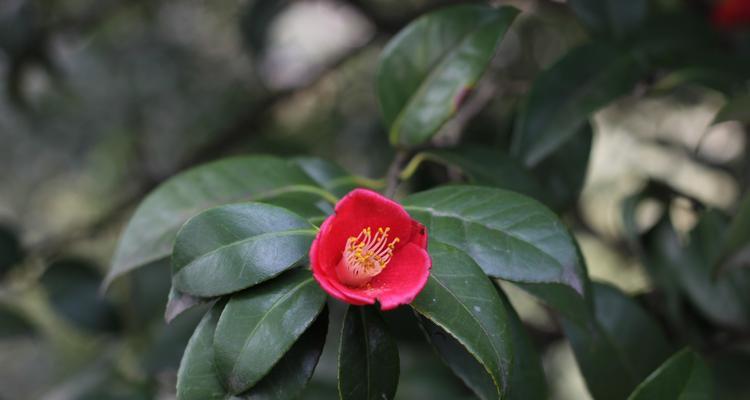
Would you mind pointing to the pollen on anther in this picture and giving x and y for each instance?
(365, 256)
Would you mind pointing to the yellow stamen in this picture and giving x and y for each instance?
(365, 256)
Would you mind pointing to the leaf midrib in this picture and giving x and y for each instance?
(424, 83)
(275, 304)
(443, 214)
(249, 239)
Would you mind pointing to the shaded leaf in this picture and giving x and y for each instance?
(683, 376)
(291, 374)
(368, 363)
(736, 109)
(258, 326)
(737, 234)
(484, 167)
(722, 300)
(14, 324)
(11, 252)
(565, 95)
(197, 378)
(230, 248)
(618, 348)
(72, 287)
(152, 229)
(511, 237)
(427, 70)
(178, 302)
(615, 18)
(527, 380)
(461, 301)
(563, 173)
(256, 21)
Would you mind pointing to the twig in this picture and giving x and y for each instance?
(393, 176)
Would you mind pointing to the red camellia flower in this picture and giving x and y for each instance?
(732, 13)
(371, 249)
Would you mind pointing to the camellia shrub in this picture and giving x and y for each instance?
(267, 244)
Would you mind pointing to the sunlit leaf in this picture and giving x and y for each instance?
(151, 231)
(428, 69)
(510, 236)
(461, 301)
(229, 248)
(258, 326)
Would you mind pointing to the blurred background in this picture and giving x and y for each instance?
(101, 100)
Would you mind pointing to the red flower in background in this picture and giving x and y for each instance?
(731, 13)
(371, 249)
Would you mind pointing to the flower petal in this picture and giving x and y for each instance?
(360, 209)
(398, 284)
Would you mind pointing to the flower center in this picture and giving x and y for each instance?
(365, 256)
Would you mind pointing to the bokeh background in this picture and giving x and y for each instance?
(101, 100)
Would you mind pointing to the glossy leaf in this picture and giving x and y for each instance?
(510, 236)
(368, 363)
(615, 18)
(563, 173)
(683, 376)
(258, 326)
(72, 288)
(178, 302)
(462, 301)
(291, 374)
(197, 378)
(151, 231)
(483, 166)
(566, 95)
(233, 247)
(428, 69)
(619, 347)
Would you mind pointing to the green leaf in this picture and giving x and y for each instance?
(736, 109)
(737, 235)
(233, 247)
(11, 252)
(527, 380)
(13, 324)
(722, 300)
(460, 300)
(258, 326)
(291, 374)
(150, 233)
(511, 237)
(72, 287)
(197, 378)
(619, 348)
(178, 302)
(683, 376)
(332, 177)
(615, 18)
(368, 357)
(482, 166)
(427, 70)
(563, 172)
(564, 96)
